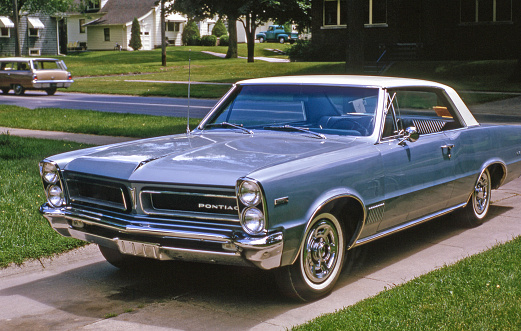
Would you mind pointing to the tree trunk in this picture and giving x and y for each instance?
(163, 34)
(232, 32)
(17, 35)
(250, 28)
(355, 37)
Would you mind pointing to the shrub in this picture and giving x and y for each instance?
(135, 35)
(219, 29)
(224, 41)
(191, 35)
(208, 41)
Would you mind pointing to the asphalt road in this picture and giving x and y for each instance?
(80, 291)
(159, 106)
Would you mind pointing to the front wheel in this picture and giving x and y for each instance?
(479, 203)
(261, 40)
(5, 90)
(320, 260)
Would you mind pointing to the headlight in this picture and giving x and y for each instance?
(252, 221)
(49, 172)
(249, 193)
(55, 196)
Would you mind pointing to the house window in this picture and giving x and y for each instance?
(376, 12)
(106, 32)
(34, 32)
(4, 33)
(173, 26)
(335, 12)
(93, 5)
(475, 11)
(82, 28)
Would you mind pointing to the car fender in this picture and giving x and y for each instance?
(316, 207)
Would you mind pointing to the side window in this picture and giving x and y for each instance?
(427, 110)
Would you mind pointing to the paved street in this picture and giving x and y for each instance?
(159, 106)
(79, 290)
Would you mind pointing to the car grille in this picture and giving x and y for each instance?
(159, 203)
(85, 192)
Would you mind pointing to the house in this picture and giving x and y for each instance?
(423, 29)
(39, 35)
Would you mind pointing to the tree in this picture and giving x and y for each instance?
(191, 36)
(250, 12)
(135, 35)
(13, 9)
(219, 29)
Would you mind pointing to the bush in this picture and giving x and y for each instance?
(303, 50)
(208, 41)
(224, 41)
(219, 29)
(135, 35)
(191, 35)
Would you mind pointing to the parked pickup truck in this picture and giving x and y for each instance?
(277, 33)
(20, 74)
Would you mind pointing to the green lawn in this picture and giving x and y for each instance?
(24, 233)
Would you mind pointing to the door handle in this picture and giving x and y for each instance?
(449, 148)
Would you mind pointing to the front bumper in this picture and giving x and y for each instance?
(238, 249)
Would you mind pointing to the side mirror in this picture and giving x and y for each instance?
(410, 134)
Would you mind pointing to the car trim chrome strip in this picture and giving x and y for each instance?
(405, 226)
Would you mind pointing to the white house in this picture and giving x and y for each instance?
(108, 23)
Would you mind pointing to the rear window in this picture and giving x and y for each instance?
(47, 65)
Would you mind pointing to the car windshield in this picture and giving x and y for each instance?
(299, 108)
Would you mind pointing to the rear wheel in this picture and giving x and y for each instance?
(19, 90)
(122, 261)
(50, 91)
(320, 260)
(5, 90)
(477, 208)
(282, 40)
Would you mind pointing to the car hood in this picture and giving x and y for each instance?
(206, 159)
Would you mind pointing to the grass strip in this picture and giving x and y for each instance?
(24, 233)
(92, 122)
(481, 292)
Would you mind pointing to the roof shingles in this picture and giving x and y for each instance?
(123, 11)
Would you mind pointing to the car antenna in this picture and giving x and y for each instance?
(189, 84)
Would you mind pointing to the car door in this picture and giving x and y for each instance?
(6, 69)
(22, 74)
(419, 175)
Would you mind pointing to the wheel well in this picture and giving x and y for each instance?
(497, 174)
(350, 212)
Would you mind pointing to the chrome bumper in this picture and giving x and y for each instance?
(264, 252)
(39, 84)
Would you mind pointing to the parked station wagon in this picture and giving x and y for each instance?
(20, 74)
(286, 173)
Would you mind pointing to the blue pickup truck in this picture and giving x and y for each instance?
(277, 33)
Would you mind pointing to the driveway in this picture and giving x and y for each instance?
(80, 291)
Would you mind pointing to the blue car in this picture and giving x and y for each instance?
(286, 173)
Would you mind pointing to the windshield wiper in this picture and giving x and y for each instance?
(229, 125)
(294, 128)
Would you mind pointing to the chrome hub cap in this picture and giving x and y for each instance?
(481, 194)
(320, 254)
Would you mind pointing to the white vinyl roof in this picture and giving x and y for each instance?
(35, 23)
(5, 22)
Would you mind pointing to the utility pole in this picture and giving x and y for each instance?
(163, 34)
(15, 21)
